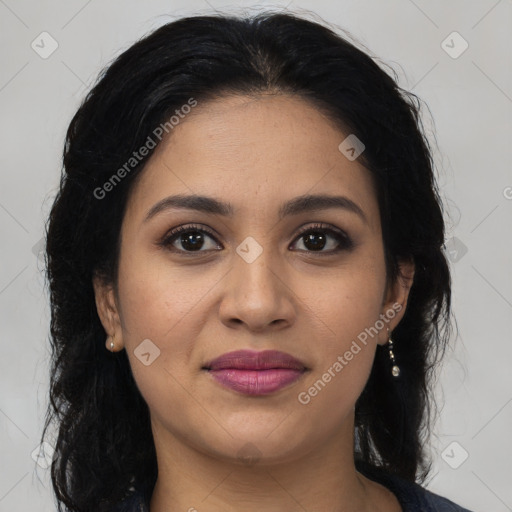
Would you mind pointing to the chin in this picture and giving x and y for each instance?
(258, 448)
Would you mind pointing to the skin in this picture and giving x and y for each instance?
(254, 153)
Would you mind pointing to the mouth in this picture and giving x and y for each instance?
(256, 373)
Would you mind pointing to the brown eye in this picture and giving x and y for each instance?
(317, 238)
(189, 239)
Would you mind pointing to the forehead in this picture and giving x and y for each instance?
(254, 152)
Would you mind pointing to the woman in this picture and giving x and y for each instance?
(248, 284)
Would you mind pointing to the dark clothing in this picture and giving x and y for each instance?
(414, 498)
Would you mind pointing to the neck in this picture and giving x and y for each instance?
(323, 478)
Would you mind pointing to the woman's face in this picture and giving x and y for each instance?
(251, 280)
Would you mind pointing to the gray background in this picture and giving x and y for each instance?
(470, 98)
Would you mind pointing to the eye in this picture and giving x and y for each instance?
(191, 238)
(316, 238)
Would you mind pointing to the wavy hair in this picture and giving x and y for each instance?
(104, 448)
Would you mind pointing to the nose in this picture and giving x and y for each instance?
(257, 296)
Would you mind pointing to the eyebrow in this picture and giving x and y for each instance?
(297, 205)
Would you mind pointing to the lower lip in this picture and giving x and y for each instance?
(256, 382)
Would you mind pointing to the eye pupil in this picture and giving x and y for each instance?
(188, 238)
(313, 237)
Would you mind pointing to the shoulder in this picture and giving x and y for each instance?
(421, 500)
(413, 497)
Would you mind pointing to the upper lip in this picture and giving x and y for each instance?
(252, 360)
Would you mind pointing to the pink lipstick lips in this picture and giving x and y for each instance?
(255, 373)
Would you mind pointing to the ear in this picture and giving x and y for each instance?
(396, 296)
(108, 312)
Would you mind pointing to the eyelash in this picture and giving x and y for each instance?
(344, 241)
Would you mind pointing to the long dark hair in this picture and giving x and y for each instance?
(104, 450)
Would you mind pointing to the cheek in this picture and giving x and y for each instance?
(348, 308)
(160, 321)
(348, 301)
(157, 297)
(345, 355)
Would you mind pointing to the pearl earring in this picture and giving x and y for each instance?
(395, 370)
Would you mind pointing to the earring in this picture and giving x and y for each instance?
(395, 370)
(112, 342)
